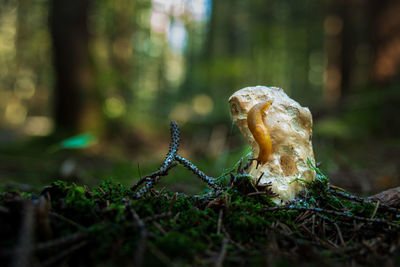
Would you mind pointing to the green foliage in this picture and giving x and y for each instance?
(183, 245)
(111, 190)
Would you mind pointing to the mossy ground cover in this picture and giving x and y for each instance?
(106, 226)
(234, 223)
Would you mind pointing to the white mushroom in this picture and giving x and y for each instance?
(289, 127)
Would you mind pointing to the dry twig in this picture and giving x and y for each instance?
(22, 251)
(222, 254)
(141, 247)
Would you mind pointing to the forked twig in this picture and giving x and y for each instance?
(166, 165)
(152, 182)
(152, 179)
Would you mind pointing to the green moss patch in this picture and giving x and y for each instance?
(109, 226)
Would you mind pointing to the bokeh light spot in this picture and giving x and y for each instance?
(38, 126)
(15, 113)
(114, 107)
(180, 113)
(24, 88)
(203, 104)
(333, 25)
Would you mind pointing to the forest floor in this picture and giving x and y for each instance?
(233, 223)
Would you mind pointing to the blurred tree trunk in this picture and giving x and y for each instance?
(121, 44)
(77, 107)
(222, 45)
(385, 40)
(340, 46)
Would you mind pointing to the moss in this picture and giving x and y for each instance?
(193, 232)
(182, 245)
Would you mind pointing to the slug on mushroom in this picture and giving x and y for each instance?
(259, 130)
(279, 136)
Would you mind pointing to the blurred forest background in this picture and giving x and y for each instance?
(118, 71)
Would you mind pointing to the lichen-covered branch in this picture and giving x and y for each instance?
(193, 168)
(151, 180)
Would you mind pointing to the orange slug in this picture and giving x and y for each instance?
(259, 130)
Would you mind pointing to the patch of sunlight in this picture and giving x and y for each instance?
(177, 36)
(114, 107)
(180, 113)
(24, 88)
(202, 104)
(143, 18)
(8, 31)
(175, 71)
(101, 50)
(200, 9)
(15, 113)
(159, 21)
(38, 125)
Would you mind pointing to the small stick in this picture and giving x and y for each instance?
(172, 202)
(258, 163)
(222, 254)
(176, 217)
(160, 228)
(219, 223)
(248, 163)
(364, 200)
(143, 238)
(60, 242)
(157, 217)
(258, 193)
(64, 254)
(228, 236)
(45, 246)
(313, 225)
(160, 255)
(375, 210)
(332, 243)
(238, 170)
(65, 219)
(331, 212)
(259, 178)
(340, 234)
(22, 252)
